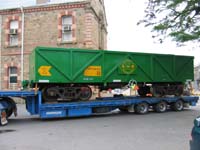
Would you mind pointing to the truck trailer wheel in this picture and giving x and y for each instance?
(160, 107)
(11, 106)
(142, 108)
(177, 106)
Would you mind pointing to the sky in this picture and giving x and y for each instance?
(123, 33)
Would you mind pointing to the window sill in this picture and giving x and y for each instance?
(13, 46)
(67, 42)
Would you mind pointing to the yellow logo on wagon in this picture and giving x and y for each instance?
(127, 67)
(93, 71)
(44, 70)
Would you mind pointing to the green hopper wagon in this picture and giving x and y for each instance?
(68, 73)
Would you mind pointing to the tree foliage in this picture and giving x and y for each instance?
(179, 19)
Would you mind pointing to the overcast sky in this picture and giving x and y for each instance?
(123, 33)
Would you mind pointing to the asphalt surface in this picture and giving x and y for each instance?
(116, 131)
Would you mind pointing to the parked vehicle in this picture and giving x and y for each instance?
(195, 135)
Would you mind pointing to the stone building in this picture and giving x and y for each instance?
(77, 23)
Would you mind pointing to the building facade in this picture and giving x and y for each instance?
(79, 24)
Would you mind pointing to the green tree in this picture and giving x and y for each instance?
(179, 19)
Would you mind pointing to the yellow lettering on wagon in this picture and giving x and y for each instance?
(44, 70)
(93, 71)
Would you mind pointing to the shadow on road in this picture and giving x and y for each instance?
(6, 131)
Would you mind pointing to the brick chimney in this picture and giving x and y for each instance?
(42, 1)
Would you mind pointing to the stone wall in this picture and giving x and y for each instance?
(42, 27)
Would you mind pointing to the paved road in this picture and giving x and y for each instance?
(117, 131)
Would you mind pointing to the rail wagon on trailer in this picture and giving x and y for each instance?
(66, 74)
(64, 77)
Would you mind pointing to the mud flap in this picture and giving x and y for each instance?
(15, 111)
(3, 118)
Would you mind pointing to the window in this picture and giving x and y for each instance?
(12, 75)
(67, 28)
(14, 33)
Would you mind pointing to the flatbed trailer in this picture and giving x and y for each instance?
(140, 105)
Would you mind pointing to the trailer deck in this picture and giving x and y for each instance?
(35, 106)
(71, 109)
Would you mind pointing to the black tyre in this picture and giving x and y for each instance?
(12, 105)
(142, 108)
(160, 107)
(177, 106)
